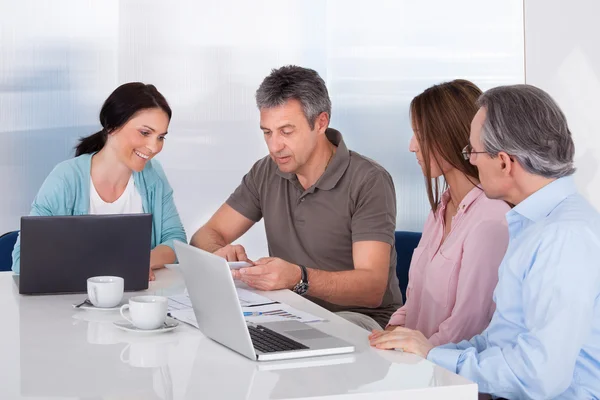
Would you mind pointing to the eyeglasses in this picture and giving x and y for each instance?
(468, 150)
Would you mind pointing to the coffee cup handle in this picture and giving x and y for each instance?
(123, 353)
(123, 308)
(93, 295)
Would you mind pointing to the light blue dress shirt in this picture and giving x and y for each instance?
(544, 338)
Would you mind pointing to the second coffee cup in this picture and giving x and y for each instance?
(146, 312)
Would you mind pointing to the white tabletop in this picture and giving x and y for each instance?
(50, 350)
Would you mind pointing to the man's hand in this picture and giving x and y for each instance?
(401, 338)
(269, 274)
(151, 276)
(233, 252)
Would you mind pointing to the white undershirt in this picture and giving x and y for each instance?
(130, 202)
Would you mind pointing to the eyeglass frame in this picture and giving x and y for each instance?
(467, 154)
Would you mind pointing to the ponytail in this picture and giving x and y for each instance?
(91, 144)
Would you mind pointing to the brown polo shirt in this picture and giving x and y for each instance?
(354, 200)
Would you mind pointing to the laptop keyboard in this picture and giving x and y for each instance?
(268, 341)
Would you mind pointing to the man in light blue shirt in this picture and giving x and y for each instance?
(544, 338)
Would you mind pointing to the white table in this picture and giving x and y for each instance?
(50, 350)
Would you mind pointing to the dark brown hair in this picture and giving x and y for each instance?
(441, 117)
(122, 104)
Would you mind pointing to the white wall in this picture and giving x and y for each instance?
(58, 62)
(209, 57)
(562, 52)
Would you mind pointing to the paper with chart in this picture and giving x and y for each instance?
(278, 312)
(246, 297)
(180, 307)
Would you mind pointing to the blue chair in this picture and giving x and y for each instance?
(7, 243)
(406, 242)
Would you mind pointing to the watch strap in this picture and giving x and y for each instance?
(304, 273)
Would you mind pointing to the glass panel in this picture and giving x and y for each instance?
(60, 62)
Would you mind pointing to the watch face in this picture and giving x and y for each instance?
(301, 288)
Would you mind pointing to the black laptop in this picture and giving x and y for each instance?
(59, 253)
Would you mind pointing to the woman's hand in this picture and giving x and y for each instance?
(401, 338)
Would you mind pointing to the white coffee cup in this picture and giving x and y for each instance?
(147, 312)
(105, 291)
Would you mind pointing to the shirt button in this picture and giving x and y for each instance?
(302, 199)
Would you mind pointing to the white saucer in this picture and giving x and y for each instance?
(94, 308)
(129, 327)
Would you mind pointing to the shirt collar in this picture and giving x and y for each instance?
(466, 202)
(541, 203)
(337, 165)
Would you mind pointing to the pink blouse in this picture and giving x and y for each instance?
(449, 293)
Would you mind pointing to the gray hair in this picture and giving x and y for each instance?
(526, 123)
(293, 82)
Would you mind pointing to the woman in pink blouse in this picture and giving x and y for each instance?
(454, 270)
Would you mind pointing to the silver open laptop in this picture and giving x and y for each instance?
(220, 317)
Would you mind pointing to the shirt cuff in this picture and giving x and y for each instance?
(444, 357)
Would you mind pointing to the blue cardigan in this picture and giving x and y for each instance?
(66, 191)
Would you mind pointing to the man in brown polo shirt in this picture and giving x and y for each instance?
(329, 213)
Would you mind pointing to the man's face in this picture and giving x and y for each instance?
(490, 168)
(288, 135)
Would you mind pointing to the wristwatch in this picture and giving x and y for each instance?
(302, 287)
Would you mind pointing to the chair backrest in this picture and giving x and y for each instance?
(7, 243)
(406, 242)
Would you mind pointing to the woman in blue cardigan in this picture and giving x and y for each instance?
(114, 172)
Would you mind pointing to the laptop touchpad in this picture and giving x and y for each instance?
(307, 334)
